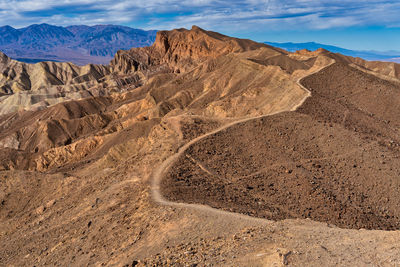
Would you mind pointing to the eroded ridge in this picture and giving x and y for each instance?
(335, 159)
(165, 167)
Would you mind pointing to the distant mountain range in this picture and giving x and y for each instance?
(368, 55)
(79, 44)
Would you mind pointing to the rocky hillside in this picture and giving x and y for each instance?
(392, 56)
(201, 149)
(36, 86)
(79, 44)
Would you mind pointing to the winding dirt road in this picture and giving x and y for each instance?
(162, 169)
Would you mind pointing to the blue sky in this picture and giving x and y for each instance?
(362, 25)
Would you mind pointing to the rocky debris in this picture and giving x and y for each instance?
(340, 185)
(76, 177)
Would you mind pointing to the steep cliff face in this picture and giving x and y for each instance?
(126, 63)
(192, 46)
(182, 49)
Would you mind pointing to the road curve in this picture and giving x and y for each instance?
(162, 169)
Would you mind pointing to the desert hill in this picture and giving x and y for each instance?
(201, 149)
(391, 56)
(35, 86)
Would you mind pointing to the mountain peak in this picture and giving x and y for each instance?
(79, 44)
(181, 49)
(41, 25)
(44, 27)
(198, 43)
(197, 28)
(321, 50)
(8, 27)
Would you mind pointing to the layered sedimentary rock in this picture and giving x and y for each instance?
(204, 119)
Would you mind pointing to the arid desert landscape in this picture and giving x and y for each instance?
(201, 150)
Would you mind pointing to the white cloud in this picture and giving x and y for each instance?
(248, 14)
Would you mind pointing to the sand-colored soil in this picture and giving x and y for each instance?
(201, 150)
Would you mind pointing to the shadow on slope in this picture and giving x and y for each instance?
(334, 160)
